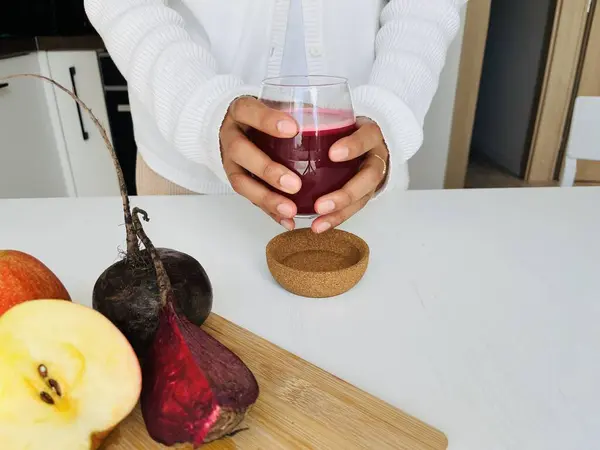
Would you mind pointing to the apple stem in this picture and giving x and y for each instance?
(132, 242)
(162, 278)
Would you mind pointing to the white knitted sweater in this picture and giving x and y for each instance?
(186, 60)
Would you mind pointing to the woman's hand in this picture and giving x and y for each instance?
(241, 156)
(337, 207)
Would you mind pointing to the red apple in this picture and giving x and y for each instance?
(68, 377)
(24, 277)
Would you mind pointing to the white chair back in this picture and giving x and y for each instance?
(584, 137)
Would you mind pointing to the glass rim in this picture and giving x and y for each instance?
(324, 81)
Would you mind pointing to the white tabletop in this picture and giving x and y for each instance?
(479, 313)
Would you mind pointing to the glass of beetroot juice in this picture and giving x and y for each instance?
(322, 108)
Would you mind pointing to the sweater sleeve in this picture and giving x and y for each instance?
(411, 48)
(175, 77)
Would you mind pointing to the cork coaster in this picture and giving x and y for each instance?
(317, 265)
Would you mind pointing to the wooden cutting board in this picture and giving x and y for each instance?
(300, 407)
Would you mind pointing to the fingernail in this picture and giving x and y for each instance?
(326, 207)
(286, 127)
(287, 224)
(339, 154)
(290, 182)
(285, 210)
(323, 226)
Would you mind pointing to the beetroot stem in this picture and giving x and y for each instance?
(164, 283)
(132, 242)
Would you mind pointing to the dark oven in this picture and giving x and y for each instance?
(119, 117)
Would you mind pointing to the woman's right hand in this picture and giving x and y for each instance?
(242, 158)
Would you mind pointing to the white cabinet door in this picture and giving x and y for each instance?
(92, 168)
(30, 163)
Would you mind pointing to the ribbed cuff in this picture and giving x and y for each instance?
(401, 131)
(216, 116)
(197, 136)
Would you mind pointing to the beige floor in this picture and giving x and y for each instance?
(481, 174)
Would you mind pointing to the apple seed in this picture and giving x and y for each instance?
(55, 386)
(47, 398)
(43, 371)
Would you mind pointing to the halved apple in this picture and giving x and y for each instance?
(68, 376)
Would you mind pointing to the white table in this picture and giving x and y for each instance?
(479, 313)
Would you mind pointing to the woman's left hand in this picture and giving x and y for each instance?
(339, 206)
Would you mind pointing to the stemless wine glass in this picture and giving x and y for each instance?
(322, 107)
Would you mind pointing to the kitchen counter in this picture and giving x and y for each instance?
(13, 46)
(479, 312)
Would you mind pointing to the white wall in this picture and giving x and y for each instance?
(427, 168)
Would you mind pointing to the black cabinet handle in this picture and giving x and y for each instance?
(3, 85)
(84, 133)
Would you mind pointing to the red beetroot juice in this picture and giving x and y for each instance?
(307, 154)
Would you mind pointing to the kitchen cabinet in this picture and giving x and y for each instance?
(91, 166)
(30, 164)
(49, 145)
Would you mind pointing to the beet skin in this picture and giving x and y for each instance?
(127, 293)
